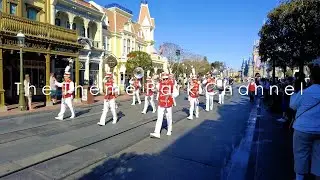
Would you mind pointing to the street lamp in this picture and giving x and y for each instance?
(22, 103)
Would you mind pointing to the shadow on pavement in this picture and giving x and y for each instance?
(200, 153)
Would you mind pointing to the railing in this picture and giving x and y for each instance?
(14, 24)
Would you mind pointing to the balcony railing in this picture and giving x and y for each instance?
(13, 24)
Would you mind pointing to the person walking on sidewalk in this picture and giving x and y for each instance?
(252, 89)
(135, 83)
(53, 88)
(109, 99)
(67, 94)
(149, 86)
(28, 92)
(306, 136)
(166, 93)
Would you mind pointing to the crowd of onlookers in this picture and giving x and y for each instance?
(301, 109)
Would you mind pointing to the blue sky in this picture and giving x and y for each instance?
(222, 30)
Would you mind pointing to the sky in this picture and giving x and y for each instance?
(222, 30)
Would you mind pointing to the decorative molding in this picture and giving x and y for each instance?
(60, 7)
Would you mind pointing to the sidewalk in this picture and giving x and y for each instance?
(271, 152)
(13, 110)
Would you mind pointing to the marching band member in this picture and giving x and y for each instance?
(209, 84)
(221, 84)
(136, 90)
(166, 93)
(149, 87)
(67, 94)
(109, 99)
(194, 92)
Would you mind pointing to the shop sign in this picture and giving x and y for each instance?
(112, 61)
(63, 49)
(27, 44)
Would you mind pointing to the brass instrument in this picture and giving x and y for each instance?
(138, 72)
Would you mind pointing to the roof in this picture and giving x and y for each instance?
(144, 13)
(85, 3)
(115, 5)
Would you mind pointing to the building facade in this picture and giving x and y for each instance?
(43, 43)
(122, 35)
(86, 19)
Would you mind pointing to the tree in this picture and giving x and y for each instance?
(138, 59)
(217, 65)
(291, 35)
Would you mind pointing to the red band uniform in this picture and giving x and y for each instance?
(67, 94)
(166, 91)
(149, 96)
(109, 100)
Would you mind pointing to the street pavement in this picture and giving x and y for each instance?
(39, 147)
(271, 154)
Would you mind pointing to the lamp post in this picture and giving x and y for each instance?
(22, 103)
(178, 59)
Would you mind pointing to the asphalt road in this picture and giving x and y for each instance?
(39, 147)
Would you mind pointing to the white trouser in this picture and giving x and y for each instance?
(106, 105)
(146, 103)
(64, 102)
(209, 101)
(194, 106)
(161, 111)
(221, 97)
(136, 93)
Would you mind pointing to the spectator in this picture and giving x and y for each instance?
(252, 89)
(28, 92)
(53, 88)
(306, 137)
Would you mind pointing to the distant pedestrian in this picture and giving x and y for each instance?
(306, 137)
(53, 88)
(252, 89)
(28, 92)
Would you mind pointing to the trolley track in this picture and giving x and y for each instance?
(49, 126)
(136, 125)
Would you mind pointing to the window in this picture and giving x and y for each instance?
(108, 44)
(57, 22)
(128, 45)
(74, 26)
(68, 24)
(82, 31)
(124, 47)
(32, 14)
(139, 47)
(0, 5)
(88, 33)
(13, 8)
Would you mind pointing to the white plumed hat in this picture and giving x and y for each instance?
(66, 71)
(107, 70)
(148, 74)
